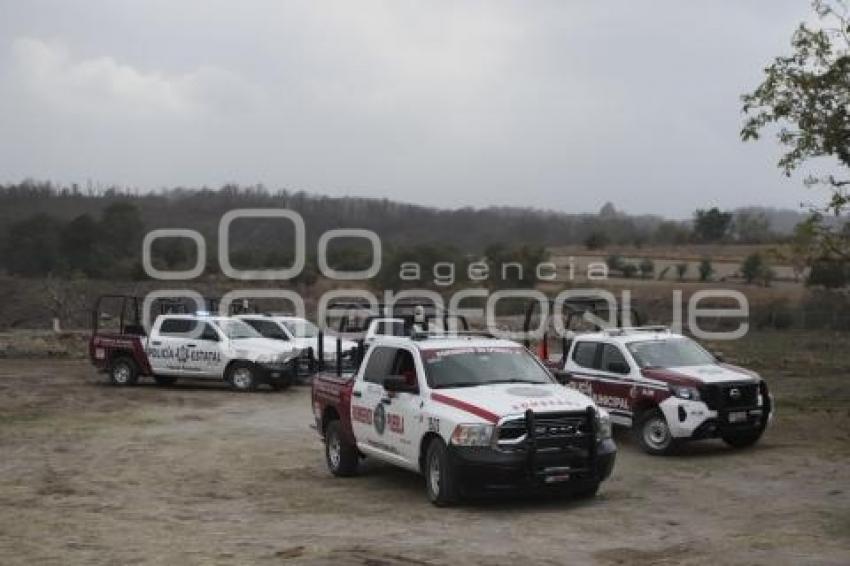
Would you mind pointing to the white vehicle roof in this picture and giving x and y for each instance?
(629, 335)
(448, 341)
(212, 318)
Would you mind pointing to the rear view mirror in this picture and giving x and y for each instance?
(719, 357)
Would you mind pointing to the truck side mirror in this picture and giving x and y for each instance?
(398, 384)
(719, 357)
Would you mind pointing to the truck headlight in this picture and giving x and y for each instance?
(689, 393)
(472, 435)
(603, 425)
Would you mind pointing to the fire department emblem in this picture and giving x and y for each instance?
(379, 419)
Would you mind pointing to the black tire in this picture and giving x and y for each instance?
(742, 438)
(652, 433)
(242, 376)
(165, 380)
(123, 371)
(341, 456)
(440, 479)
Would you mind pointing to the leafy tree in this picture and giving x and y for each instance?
(751, 227)
(711, 225)
(82, 245)
(752, 267)
(647, 268)
(829, 273)
(122, 228)
(596, 241)
(629, 270)
(807, 96)
(33, 247)
(705, 269)
(614, 262)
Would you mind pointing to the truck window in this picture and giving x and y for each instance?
(267, 328)
(585, 354)
(612, 358)
(177, 326)
(378, 366)
(390, 328)
(404, 366)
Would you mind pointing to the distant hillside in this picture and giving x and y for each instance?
(397, 223)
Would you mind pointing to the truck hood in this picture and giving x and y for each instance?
(264, 349)
(699, 375)
(492, 402)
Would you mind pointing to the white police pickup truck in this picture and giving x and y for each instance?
(467, 412)
(195, 346)
(302, 334)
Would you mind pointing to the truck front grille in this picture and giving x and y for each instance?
(720, 396)
(551, 430)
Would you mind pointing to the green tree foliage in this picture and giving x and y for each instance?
(614, 262)
(705, 270)
(33, 247)
(122, 229)
(647, 268)
(806, 96)
(596, 241)
(751, 228)
(711, 225)
(829, 273)
(755, 269)
(82, 246)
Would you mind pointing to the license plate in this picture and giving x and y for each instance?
(738, 417)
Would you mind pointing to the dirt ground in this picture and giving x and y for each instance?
(92, 474)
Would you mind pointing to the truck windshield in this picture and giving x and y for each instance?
(470, 367)
(236, 329)
(301, 328)
(677, 352)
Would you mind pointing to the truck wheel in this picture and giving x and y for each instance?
(241, 376)
(123, 371)
(653, 434)
(340, 455)
(440, 480)
(743, 438)
(164, 380)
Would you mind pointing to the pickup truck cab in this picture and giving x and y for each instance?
(302, 334)
(466, 412)
(194, 346)
(667, 388)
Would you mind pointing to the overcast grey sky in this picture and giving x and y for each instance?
(560, 105)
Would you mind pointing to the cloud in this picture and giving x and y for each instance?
(104, 86)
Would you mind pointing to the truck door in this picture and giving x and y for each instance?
(167, 345)
(615, 384)
(404, 411)
(375, 420)
(601, 371)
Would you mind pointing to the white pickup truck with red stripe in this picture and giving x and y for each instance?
(467, 412)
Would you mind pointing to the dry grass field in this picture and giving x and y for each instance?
(196, 474)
